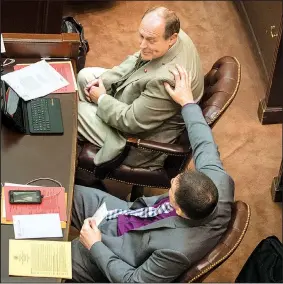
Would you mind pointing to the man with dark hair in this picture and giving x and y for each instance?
(155, 239)
(196, 199)
(130, 99)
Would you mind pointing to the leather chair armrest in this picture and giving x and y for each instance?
(164, 148)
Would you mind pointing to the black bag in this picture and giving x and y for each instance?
(70, 25)
(265, 264)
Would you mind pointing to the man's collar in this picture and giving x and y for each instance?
(182, 222)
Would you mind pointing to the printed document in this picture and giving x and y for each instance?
(34, 81)
(65, 68)
(100, 214)
(37, 226)
(40, 258)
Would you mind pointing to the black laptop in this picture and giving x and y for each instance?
(38, 116)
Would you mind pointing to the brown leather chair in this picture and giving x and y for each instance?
(221, 85)
(227, 245)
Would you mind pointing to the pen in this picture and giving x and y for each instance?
(55, 58)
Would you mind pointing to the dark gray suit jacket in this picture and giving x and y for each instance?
(161, 251)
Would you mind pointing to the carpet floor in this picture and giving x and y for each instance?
(251, 152)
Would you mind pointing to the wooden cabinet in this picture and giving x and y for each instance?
(33, 16)
(263, 21)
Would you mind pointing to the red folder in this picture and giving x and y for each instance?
(53, 202)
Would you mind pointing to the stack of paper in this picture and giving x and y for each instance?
(40, 259)
(54, 201)
(37, 226)
(34, 81)
(65, 69)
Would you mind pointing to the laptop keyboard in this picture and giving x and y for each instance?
(40, 115)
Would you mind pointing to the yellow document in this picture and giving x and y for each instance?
(40, 258)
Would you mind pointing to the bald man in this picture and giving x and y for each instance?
(130, 100)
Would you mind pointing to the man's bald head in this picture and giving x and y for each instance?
(171, 21)
(158, 32)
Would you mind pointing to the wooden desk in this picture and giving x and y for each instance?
(25, 157)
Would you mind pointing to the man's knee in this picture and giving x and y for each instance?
(88, 74)
(79, 193)
(85, 76)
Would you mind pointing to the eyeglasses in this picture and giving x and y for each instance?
(8, 61)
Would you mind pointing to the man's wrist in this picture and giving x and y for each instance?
(94, 244)
(188, 103)
(100, 98)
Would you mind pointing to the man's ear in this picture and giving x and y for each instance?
(181, 213)
(173, 39)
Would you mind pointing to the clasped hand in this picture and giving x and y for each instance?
(94, 90)
(89, 233)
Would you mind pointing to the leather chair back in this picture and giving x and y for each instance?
(221, 84)
(227, 245)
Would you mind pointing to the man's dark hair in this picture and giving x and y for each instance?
(172, 22)
(196, 195)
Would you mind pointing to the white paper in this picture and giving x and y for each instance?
(11, 184)
(3, 50)
(100, 214)
(37, 226)
(34, 81)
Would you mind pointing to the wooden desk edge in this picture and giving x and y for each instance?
(42, 45)
(37, 38)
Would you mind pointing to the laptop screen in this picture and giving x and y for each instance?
(11, 105)
(12, 102)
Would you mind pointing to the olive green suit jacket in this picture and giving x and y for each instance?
(141, 107)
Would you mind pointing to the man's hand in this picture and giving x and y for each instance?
(89, 234)
(94, 82)
(96, 91)
(182, 94)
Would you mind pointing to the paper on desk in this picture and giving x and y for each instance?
(34, 81)
(100, 214)
(40, 258)
(2, 45)
(37, 226)
(65, 68)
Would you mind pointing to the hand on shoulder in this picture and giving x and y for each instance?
(182, 93)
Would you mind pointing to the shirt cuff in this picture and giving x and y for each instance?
(100, 98)
(188, 104)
